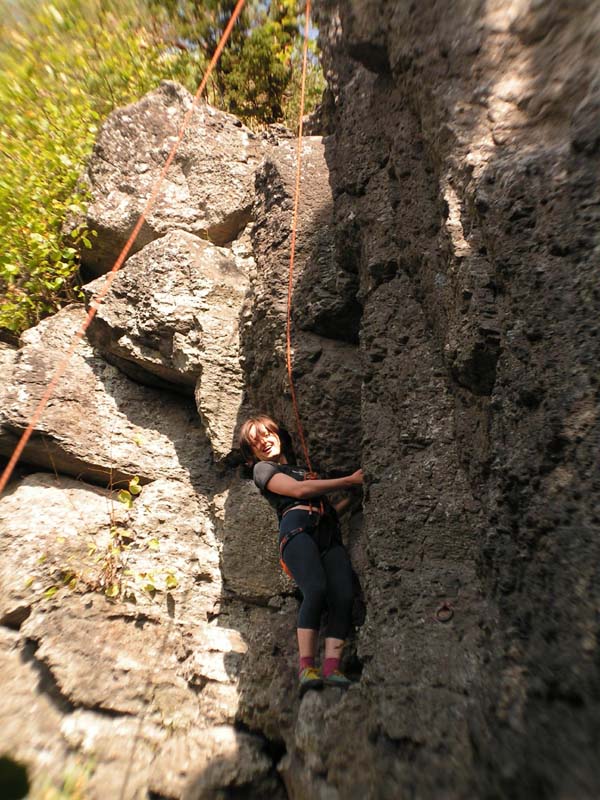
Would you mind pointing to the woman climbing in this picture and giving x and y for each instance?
(310, 546)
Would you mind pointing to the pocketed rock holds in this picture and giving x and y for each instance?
(468, 163)
(171, 316)
(205, 191)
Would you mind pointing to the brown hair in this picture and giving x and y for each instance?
(245, 440)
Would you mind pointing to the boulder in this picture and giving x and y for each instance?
(7, 355)
(206, 190)
(51, 530)
(61, 534)
(30, 717)
(98, 424)
(122, 680)
(171, 316)
(247, 528)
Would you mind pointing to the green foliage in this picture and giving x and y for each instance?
(126, 496)
(171, 581)
(73, 783)
(313, 90)
(66, 65)
(258, 75)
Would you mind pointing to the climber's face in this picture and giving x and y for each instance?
(266, 444)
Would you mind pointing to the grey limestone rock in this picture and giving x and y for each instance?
(465, 161)
(98, 424)
(123, 684)
(325, 358)
(207, 188)
(445, 336)
(247, 528)
(172, 317)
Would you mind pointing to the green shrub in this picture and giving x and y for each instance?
(65, 65)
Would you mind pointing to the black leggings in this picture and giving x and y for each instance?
(324, 577)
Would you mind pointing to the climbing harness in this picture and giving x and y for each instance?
(312, 509)
(324, 531)
(282, 545)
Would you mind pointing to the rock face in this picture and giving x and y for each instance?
(326, 361)
(172, 317)
(465, 161)
(99, 424)
(206, 192)
(91, 664)
(445, 315)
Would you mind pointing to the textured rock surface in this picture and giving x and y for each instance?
(142, 694)
(173, 313)
(207, 188)
(325, 356)
(247, 529)
(445, 334)
(466, 163)
(99, 424)
(30, 716)
(58, 528)
(49, 527)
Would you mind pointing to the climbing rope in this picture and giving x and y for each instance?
(293, 245)
(97, 300)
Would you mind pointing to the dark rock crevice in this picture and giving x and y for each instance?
(47, 683)
(16, 617)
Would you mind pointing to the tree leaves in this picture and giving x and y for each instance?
(65, 66)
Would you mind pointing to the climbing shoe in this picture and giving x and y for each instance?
(310, 678)
(337, 678)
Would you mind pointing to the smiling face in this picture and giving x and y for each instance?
(260, 440)
(265, 444)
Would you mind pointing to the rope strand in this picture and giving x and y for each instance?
(293, 245)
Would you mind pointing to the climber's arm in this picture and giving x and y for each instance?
(303, 490)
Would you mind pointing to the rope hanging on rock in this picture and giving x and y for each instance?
(293, 244)
(97, 300)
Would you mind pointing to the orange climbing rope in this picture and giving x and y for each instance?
(97, 300)
(293, 245)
